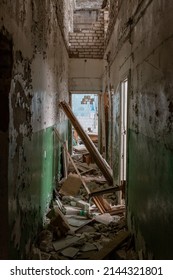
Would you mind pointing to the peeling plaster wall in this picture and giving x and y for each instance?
(142, 43)
(64, 10)
(39, 82)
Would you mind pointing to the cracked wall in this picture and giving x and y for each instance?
(39, 81)
(141, 43)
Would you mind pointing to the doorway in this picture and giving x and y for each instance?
(123, 130)
(85, 109)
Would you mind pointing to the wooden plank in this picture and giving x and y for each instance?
(97, 200)
(87, 171)
(107, 190)
(103, 166)
(74, 165)
(111, 246)
(117, 212)
(65, 163)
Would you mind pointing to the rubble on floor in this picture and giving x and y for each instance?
(78, 234)
(84, 221)
(75, 229)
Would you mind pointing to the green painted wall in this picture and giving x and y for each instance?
(150, 192)
(39, 165)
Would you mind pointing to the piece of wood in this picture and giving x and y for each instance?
(87, 171)
(94, 137)
(108, 190)
(98, 204)
(117, 211)
(65, 163)
(74, 165)
(111, 246)
(77, 171)
(105, 203)
(81, 167)
(96, 200)
(107, 172)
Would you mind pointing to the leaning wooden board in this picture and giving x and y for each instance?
(101, 163)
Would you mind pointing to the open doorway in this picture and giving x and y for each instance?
(123, 131)
(6, 62)
(85, 109)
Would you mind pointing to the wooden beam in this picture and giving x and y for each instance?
(107, 190)
(101, 163)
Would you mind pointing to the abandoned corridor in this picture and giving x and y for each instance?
(119, 51)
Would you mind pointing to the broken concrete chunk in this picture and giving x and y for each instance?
(63, 243)
(80, 242)
(88, 247)
(80, 203)
(86, 228)
(71, 185)
(73, 221)
(105, 218)
(60, 221)
(70, 252)
(98, 246)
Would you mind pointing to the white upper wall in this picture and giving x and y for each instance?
(88, 4)
(85, 75)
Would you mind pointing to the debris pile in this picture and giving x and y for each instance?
(76, 228)
(84, 221)
(81, 233)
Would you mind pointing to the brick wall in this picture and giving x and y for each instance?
(88, 43)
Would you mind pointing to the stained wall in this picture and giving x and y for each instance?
(39, 81)
(140, 47)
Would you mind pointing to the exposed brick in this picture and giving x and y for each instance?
(89, 43)
(100, 32)
(81, 34)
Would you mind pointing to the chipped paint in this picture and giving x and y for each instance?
(39, 81)
(142, 42)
